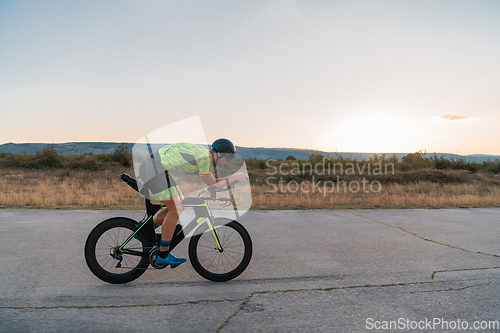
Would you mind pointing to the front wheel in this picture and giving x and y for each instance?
(104, 258)
(223, 264)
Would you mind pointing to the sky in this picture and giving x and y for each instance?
(347, 76)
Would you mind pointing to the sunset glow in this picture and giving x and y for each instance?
(362, 76)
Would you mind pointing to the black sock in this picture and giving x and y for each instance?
(163, 254)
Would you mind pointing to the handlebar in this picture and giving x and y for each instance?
(212, 190)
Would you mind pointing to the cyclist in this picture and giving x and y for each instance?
(191, 158)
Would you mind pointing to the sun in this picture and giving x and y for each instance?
(374, 133)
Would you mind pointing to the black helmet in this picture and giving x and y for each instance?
(225, 147)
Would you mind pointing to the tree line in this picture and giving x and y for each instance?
(413, 161)
(49, 158)
(122, 157)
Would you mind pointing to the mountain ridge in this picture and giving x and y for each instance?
(69, 148)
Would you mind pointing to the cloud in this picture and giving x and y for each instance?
(453, 117)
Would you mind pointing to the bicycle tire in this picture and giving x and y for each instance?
(223, 266)
(105, 238)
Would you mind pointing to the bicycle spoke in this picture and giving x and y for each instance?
(209, 258)
(213, 247)
(225, 257)
(114, 235)
(129, 260)
(215, 257)
(223, 267)
(224, 237)
(235, 239)
(106, 241)
(208, 251)
(229, 245)
(227, 254)
(107, 261)
(217, 266)
(234, 246)
(210, 240)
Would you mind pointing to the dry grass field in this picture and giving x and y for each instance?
(21, 188)
(420, 195)
(64, 189)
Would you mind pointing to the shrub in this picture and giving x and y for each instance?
(315, 158)
(122, 155)
(415, 161)
(492, 166)
(49, 157)
(442, 164)
(253, 163)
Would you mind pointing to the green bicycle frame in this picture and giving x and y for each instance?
(202, 213)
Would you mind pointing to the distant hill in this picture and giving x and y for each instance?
(67, 148)
(247, 152)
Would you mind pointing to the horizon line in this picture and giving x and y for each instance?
(262, 147)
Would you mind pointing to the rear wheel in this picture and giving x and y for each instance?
(106, 261)
(221, 265)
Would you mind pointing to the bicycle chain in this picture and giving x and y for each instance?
(149, 268)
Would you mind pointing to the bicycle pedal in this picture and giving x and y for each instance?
(173, 266)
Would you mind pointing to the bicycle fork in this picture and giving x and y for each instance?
(214, 233)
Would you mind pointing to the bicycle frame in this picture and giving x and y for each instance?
(202, 213)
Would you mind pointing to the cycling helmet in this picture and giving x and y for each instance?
(225, 147)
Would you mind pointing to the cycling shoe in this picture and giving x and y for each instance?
(170, 260)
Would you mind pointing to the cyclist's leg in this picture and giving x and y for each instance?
(160, 215)
(174, 209)
(166, 190)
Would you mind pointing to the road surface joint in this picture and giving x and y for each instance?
(431, 281)
(423, 238)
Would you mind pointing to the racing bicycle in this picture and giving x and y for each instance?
(120, 249)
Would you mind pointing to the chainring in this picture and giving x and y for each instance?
(152, 258)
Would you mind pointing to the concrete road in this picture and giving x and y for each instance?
(311, 271)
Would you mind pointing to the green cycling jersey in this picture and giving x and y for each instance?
(187, 157)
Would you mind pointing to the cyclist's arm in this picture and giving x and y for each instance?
(209, 179)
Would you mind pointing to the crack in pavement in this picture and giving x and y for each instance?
(247, 299)
(462, 270)
(450, 289)
(423, 238)
(242, 305)
(204, 301)
(115, 306)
